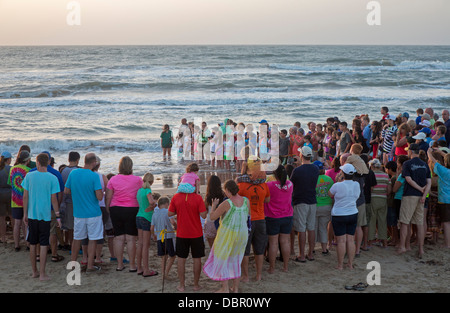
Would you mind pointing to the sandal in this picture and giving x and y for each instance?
(57, 258)
(152, 273)
(358, 287)
(297, 259)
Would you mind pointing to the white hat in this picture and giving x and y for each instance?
(391, 117)
(425, 123)
(420, 136)
(348, 169)
(305, 151)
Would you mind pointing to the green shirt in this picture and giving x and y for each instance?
(143, 204)
(324, 184)
(166, 137)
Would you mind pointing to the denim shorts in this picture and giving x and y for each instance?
(143, 223)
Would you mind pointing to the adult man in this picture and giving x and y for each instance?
(188, 207)
(40, 190)
(446, 118)
(67, 205)
(417, 185)
(86, 190)
(55, 232)
(304, 201)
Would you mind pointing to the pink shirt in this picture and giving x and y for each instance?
(189, 178)
(280, 204)
(331, 173)
(125, 189)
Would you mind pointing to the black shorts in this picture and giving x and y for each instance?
(166, 248)
(444, 212)
(38, 232)
(17, 213)
(344, 225)
(124, 220)
(195, 245)
(276, 226)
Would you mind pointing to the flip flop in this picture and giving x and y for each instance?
(152, 273)
(357, 287)
(57, 258)
(309, 259)
(120, 269)
(297, 259)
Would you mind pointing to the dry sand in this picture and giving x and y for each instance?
(399, 273)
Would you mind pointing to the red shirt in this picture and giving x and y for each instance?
(187, 207)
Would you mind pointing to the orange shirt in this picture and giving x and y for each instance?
(256, 193)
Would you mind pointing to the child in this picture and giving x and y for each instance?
(333, 144)
(166, 141)
(190, 182)
(162, 225)
(147, 204)
(308, 143)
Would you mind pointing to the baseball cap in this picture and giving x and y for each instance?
(318, 164)
(405, 114)
(305, 151)
(348, 169)
(263, 121)
(421, 136)
(425, 130)
(6, 155)
(414, 147)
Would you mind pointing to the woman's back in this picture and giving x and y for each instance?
(345, 195)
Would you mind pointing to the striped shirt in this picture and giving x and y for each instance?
(383, 181)
(388, 142)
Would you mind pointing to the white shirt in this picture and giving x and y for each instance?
(345, 195)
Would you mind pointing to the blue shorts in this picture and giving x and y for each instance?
(344, 225)
(17, 213)
(275, 226)
(142, 223)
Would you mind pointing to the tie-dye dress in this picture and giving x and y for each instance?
(224, 261)
(16, 176)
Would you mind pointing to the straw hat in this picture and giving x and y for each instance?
(358, 163)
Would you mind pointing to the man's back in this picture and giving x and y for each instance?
(419, 172)
(305, 179)
(187, 207)
(83, 183)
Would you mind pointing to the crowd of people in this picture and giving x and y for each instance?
(383, 181)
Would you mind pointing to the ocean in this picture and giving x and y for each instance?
(114, 100)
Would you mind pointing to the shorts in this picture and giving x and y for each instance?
(392, 217)
(142, 223)
(53, 223)
(17, 213)
(362, 220)
(344, 225)
(124, 220)
(67, 215)
(444, 212)
(166, 248)
(257, 238)
(5, 203)
(195, 245)
(91, 228)
(304, 217)
(38, 232)
(275, 226)
(411, 210)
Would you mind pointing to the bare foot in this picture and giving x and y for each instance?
(400, 251)
(34, 275)
(44, 277)
(180, 288)
(197, 288)
(244, 279)
(350, 266)
(270, 270)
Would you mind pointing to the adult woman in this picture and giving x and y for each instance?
(224, 261)
(278, 212)
(376, 137)
(401, 142)
(213, 191)
(17, 174)
(122, 204)
(344, 214)
(443, 173)
(5, 192)
(334, 170)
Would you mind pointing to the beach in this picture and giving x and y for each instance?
(398, 273)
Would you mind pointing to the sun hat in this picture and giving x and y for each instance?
(425, 123)
(348, 169)
(6, 155)
(421, 136)
(391, 117)
(305, 151)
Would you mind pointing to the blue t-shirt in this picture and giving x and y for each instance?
(399, 194)
(443, 174)
(83, 183)
(419, 171)
(305, 179)
(40, 187)
(57, 174)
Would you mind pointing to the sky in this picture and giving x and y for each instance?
(180, 22)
